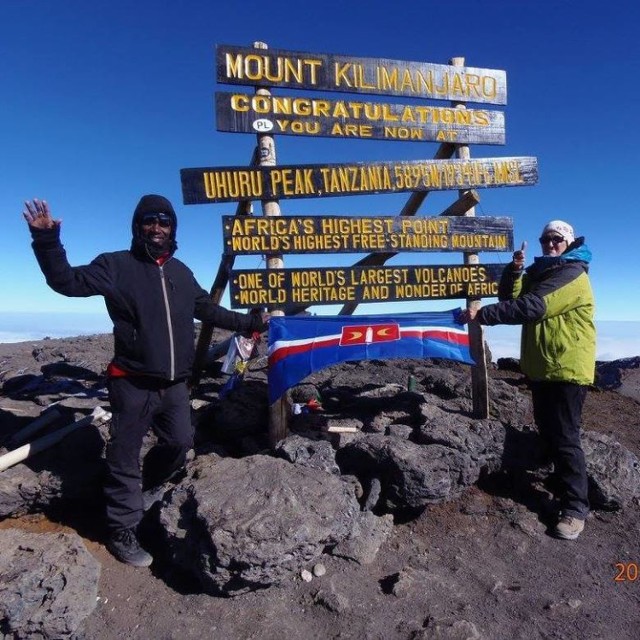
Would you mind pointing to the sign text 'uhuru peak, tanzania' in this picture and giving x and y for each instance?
(230, 184)
(346, 234)
(339, 285)
(303, 116)
(348, 74)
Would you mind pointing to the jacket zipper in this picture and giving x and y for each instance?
(172, 367)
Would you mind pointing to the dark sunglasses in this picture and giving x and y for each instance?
(554, 239)
(161, 219)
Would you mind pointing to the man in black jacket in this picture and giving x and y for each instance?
(152, 299)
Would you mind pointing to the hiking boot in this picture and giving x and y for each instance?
(151, 483)
(568, 527)
(124, 546)
(152, 496)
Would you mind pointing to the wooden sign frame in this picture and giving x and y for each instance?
(262, 68)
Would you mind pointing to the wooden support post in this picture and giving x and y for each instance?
(479, 382)
(445, 150)
(466, 201)
(267, 158)
(410, 208)
(244, 208)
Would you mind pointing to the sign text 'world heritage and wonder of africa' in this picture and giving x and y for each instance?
(344, 234)
(277, 287)
(231, 184)
(319, 117)
(348, 74)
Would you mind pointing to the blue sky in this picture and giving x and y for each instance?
(103, 101)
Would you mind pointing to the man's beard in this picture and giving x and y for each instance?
(156, 242)
(156, 250)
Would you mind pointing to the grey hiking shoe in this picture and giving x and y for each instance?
(568, 527)
(124, 546)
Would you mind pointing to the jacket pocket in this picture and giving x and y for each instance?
(126, 340)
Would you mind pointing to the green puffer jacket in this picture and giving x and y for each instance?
(554, 302)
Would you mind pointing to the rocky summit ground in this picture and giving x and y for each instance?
(478, 565)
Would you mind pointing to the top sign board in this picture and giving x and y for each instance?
(346, 74)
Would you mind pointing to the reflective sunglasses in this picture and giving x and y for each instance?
(161, 219)
(554, 239)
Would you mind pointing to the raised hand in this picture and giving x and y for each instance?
(38, 216)
(519, 257)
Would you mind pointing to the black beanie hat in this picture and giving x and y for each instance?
(153, 203)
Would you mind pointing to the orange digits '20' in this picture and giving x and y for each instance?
(627, 572)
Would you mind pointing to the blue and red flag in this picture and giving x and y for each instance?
(300, 345)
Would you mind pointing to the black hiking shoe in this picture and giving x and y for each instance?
(153, 496)
(154, 493)
(124, 546)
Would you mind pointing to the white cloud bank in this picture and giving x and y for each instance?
(615, 339)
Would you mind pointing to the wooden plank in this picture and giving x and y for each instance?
(357, 234)
(349, 74)
(331, 285)
(218, 287)
(278, 421)
(229, 184)
(206, 328)
(410, 208)
(340, 429)
(479, 375)
(304, 116)
(465, 202)
(278, 411)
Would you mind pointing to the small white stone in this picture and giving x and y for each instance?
(305, 574)
(319, 570)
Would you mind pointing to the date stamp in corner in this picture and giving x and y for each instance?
(626, 572)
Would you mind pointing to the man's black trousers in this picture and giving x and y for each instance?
(139, 404)
(557, 409)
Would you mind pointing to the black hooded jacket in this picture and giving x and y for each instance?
(152, 307)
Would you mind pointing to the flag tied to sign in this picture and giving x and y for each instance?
(298, 346)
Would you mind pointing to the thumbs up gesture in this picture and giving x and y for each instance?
(519, 257)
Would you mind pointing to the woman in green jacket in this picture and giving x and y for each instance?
(554, 302)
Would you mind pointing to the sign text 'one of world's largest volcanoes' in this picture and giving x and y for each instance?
(348, 74)
(231, 184)
(339, 285)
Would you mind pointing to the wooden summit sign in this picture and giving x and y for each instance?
(347, 74)
(231, 184)
(302, 116)
(332, 285)
(246, 235)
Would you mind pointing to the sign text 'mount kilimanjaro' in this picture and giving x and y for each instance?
(339, 285)
(346, 234)
(231, 184)
(319, 117)
(348, 74)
